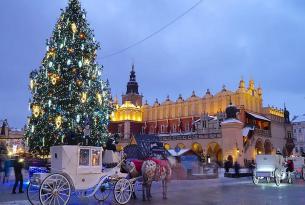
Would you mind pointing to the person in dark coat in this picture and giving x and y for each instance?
(18, 165)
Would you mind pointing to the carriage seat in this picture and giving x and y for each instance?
(110, 158)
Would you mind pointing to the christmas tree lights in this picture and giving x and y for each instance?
(68, 95)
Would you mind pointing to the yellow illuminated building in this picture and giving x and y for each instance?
(127, 112)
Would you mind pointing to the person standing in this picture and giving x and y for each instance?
(18, 165)
(6, 170)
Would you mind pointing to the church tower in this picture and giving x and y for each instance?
(132, 92)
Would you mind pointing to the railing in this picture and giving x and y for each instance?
(190, 136)
(263, 133)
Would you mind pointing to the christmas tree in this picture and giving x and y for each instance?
(70, 102)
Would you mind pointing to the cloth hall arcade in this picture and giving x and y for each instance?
(219, 125)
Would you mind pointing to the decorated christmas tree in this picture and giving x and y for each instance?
(70, 102)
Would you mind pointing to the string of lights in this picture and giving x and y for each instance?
(154, 33)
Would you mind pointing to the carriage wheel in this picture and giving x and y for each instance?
(255, 179)
(55, 190)
(122, 191)
(103, 192)
(277, 177)
(32, 193)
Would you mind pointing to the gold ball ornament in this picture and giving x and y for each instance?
(82, 36)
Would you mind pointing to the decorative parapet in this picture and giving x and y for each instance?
(274, 111)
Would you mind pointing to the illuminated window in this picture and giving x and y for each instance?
(84, 157)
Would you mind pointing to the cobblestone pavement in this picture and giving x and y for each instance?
(222, 191)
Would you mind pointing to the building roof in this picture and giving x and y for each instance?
(300, 118)
(231, 120)
(259, 117)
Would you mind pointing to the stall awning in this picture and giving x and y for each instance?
(258, 117)
(246, 130)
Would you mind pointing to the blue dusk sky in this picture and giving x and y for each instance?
(216, 43)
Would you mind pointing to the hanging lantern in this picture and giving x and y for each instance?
(73, 27)
(84, 97)
(58, 121)
(36, 110)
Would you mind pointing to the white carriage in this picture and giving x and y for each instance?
(78, 169)
(271, 166)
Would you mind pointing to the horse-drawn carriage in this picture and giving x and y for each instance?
(78, 170)
(271, 166)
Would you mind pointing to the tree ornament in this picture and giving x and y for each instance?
(51, 53)
(84, 97)
(36, 110)
(58, 121)
(68, 62)
(87, 61)
(49, 103)
(79, 82)
(70, 50)
(73, 27)
(32, 128)
(82, 36)
(82, 47)
(61, 45)
(50, 64)
(54, 79)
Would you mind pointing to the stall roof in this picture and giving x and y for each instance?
(259, 117)
(246, 130)
(177, 154)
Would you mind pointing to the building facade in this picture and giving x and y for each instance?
(202, 123)
(11, 140)
(298, 125)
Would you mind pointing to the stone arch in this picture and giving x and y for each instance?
(259, 146)
(196, 147)
(268, 147)
(181, 145)
(215, 152)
